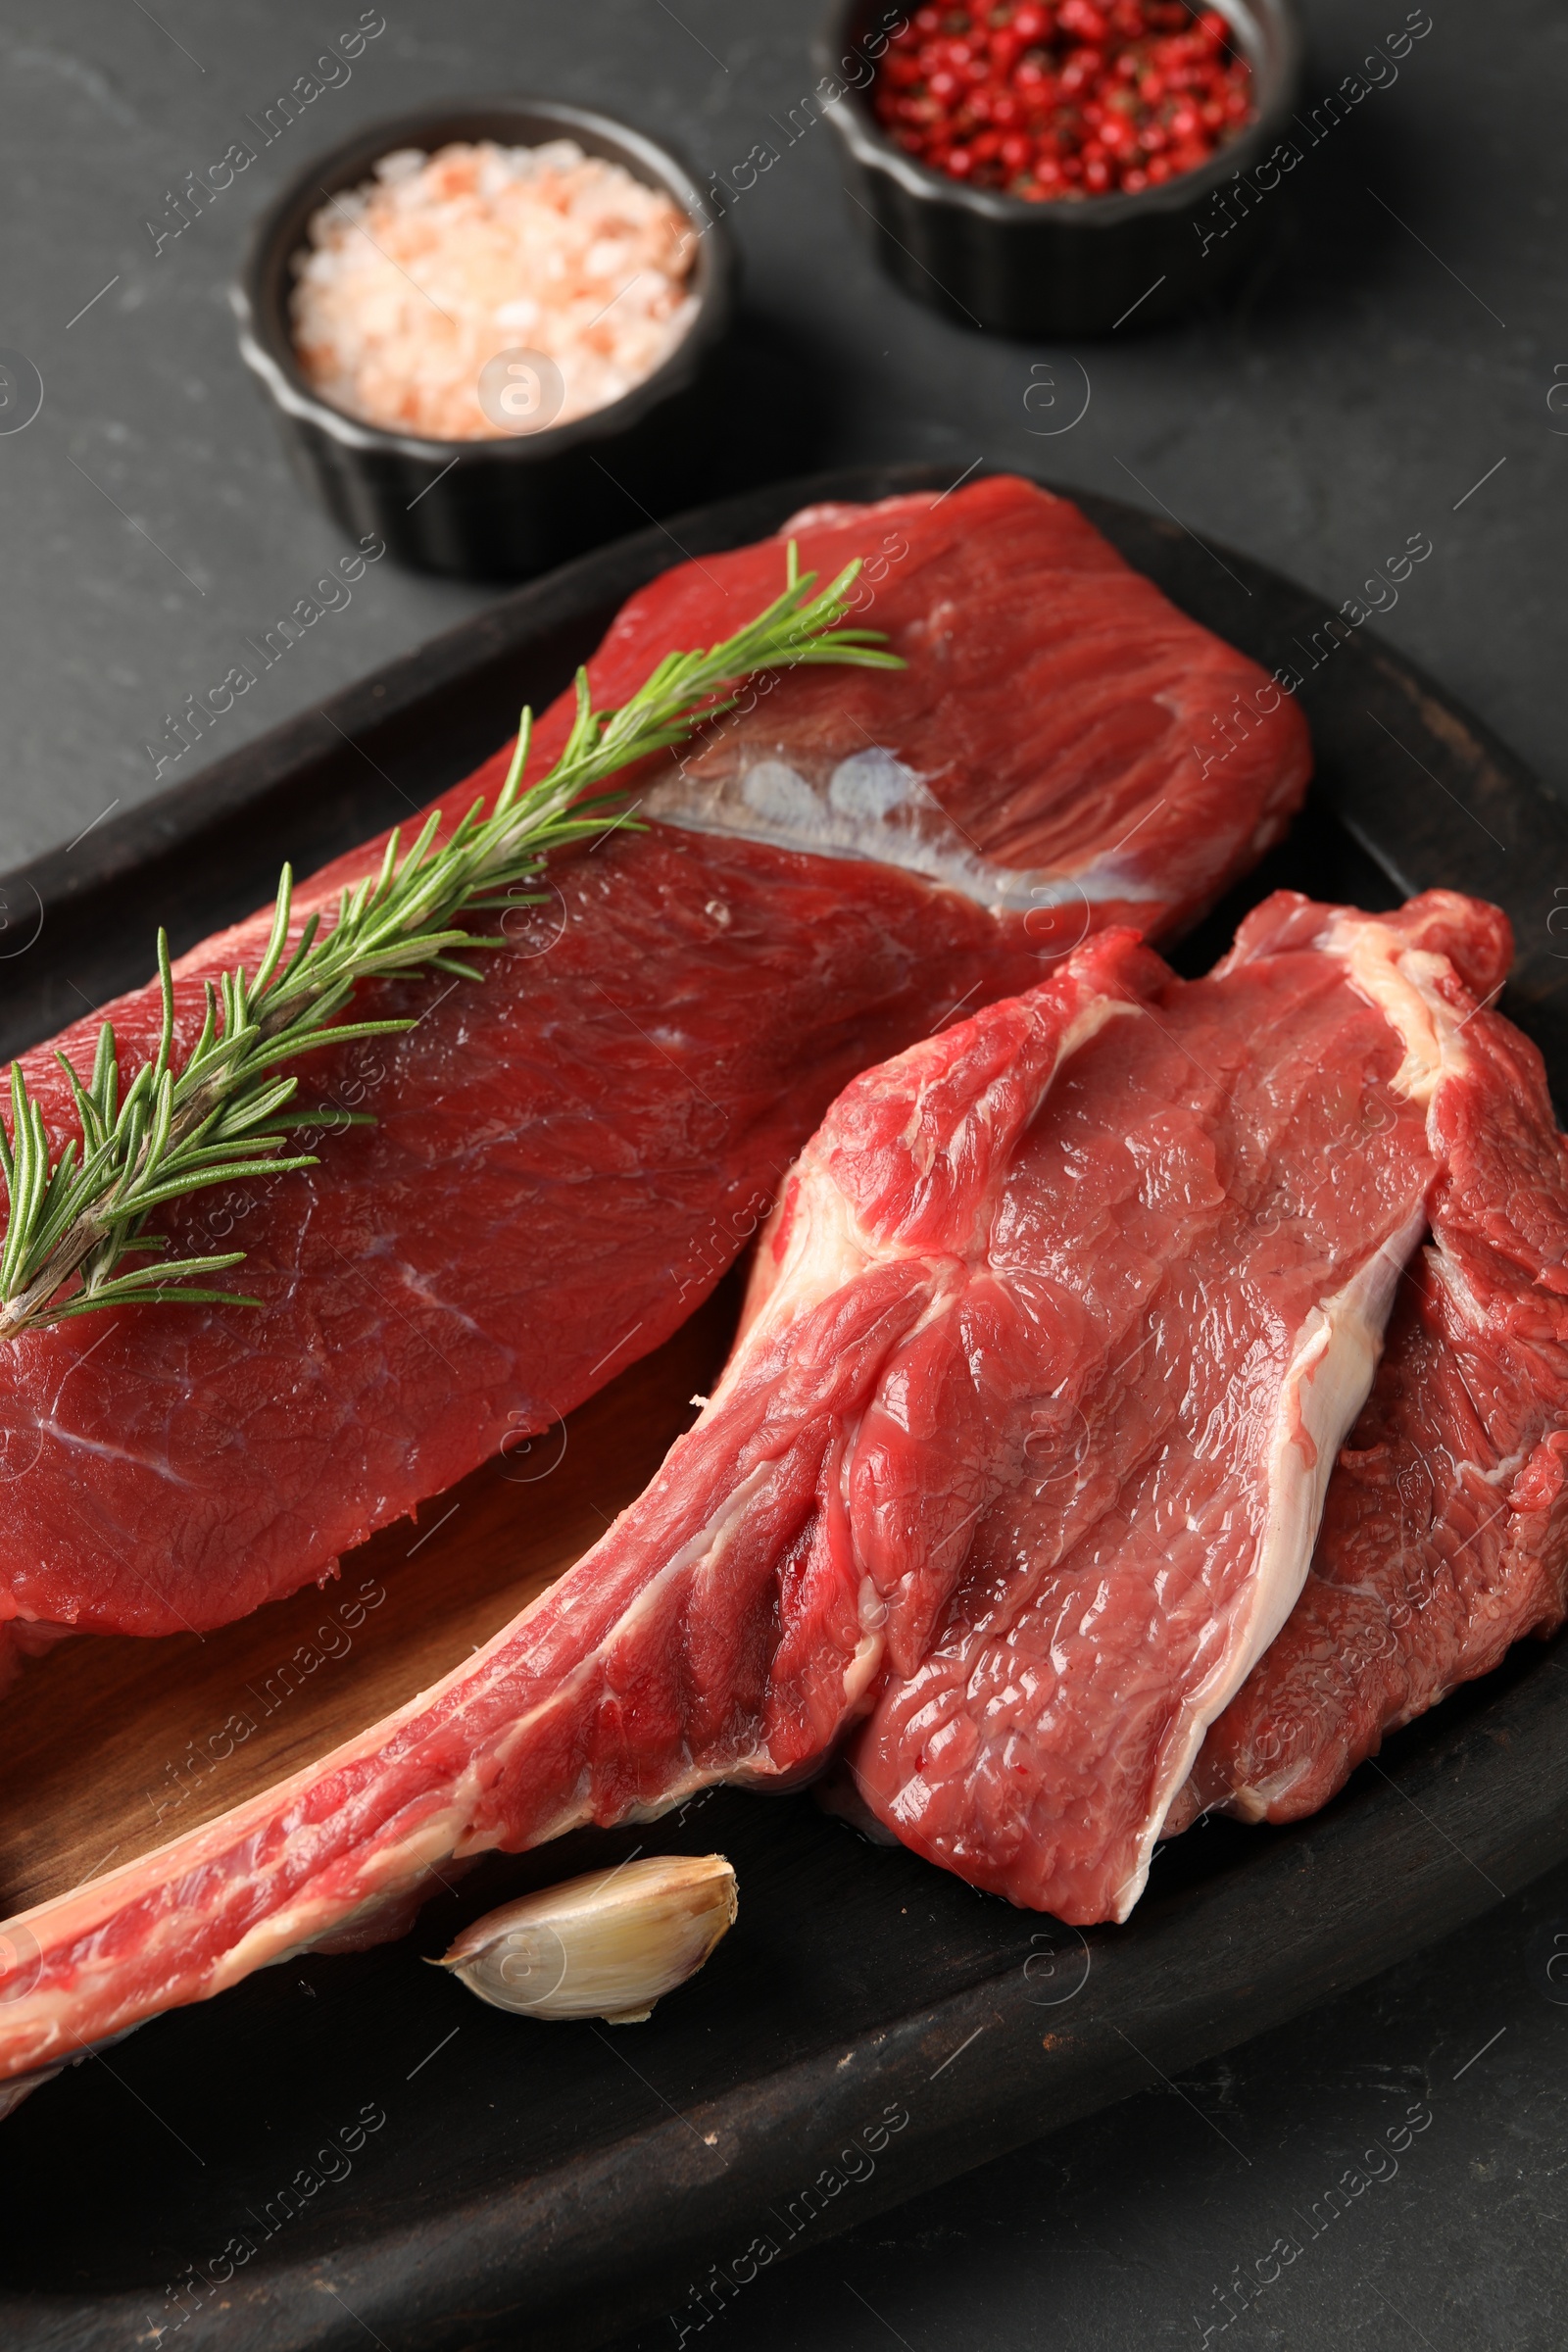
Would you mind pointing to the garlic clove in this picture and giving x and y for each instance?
(608, 1945)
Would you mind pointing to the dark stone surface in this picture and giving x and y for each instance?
(1400, 344)
(1129, 2230)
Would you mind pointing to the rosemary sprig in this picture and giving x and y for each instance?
(219, 1113)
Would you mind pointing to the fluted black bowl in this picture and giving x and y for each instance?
(1081, 266)
(491, 509)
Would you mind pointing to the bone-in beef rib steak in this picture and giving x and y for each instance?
(1013, 1473)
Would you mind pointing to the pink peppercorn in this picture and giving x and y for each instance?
(1083, 98)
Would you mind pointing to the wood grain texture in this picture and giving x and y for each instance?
(544, 2183)
(110, 1745)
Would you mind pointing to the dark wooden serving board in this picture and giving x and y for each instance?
(871, 2027)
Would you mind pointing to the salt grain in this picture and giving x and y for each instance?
(412, 283)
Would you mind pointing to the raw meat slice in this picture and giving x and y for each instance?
(1444, 1536)
(1207, 1224)
(572, 1151)
(982, 1250)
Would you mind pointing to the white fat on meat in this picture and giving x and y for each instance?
(1401, 981)
(873, 806)
(1327, 1382)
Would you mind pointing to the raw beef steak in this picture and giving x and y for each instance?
(1444, 1537)
(1018, 1459)
(570, 1151)
(1200, 1238)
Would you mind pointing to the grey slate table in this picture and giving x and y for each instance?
(1393, 371)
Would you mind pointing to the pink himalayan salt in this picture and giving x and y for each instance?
(413, 282)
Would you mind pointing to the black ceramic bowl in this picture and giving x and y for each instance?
(1075, 268)
(490, 510)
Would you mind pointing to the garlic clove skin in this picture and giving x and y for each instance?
(608, 1945)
